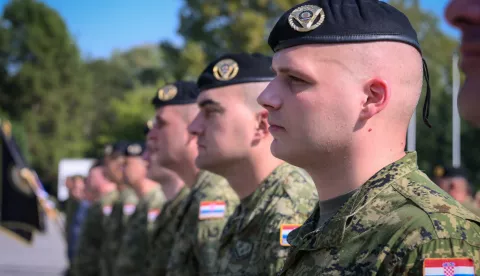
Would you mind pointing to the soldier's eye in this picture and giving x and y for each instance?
(294, 79)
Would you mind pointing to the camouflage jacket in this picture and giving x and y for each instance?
(205, 213)
(135, 242)
(87, 259)
(163, 234)
(396, 223)
(115, 225)
(252, 242)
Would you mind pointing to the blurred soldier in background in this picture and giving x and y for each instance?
(102, 193)
(132, 256)
(455, 182)
(167, 222)
(122, 208)
(77, 207)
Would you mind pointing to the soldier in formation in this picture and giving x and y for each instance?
(211, 201)
(234, 140)
(122, 209)
(102, 194)
(132, 254)
(378, 213)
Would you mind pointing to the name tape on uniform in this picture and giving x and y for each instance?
(285, 229)
(107, 210)
(448, 266)
(128, 209)
(153, 214)
(212, 209)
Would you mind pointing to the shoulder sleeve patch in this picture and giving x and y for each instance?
(107, 210)
(212, 210)
(285, 229)
(153, 214)
(128, 209)
(448, 266)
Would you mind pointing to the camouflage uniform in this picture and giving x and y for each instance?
(196, 243)
(251, 242)
(115, 225)
(133, 250)
(163, 235)
(87, 259)
(392, 223)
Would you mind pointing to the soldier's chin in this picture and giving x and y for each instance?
(468, 100)
(280, 150)
(202, 162)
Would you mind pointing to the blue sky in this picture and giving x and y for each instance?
(101, 26)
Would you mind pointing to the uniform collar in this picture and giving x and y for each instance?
(308, 237)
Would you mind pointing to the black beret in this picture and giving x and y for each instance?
(236, 68)
(345, 21)
(451, 172)
(135, 149)
(115, 149)
(178, 93)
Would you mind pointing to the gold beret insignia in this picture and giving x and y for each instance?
(225, 69)
(167, 92)
(306, 18)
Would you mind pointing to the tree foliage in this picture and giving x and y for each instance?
(45, 84)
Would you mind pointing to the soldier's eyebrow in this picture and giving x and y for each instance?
(211, 103)
(159, 121)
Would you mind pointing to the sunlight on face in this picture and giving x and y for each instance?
(225, 128)
(170, 135)
(311, 104)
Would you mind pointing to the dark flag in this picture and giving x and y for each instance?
(20, 213)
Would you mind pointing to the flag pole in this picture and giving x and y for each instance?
(456, 136)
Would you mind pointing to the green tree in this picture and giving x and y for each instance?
(214, 27)
(124, 85)
(128, 116)
(46, 87)
(236, 25)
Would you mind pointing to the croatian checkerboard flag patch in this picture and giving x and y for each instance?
(107, 210)
(212, 209)
(448, 267)
(153, 214)
(285, 229)
(128, 209)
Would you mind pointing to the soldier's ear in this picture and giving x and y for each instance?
(262, 125)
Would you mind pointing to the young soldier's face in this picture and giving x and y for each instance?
(135, 170)
(465, 15)
(114, 167)
(170, 135)
(225, 127)
(312, 105)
